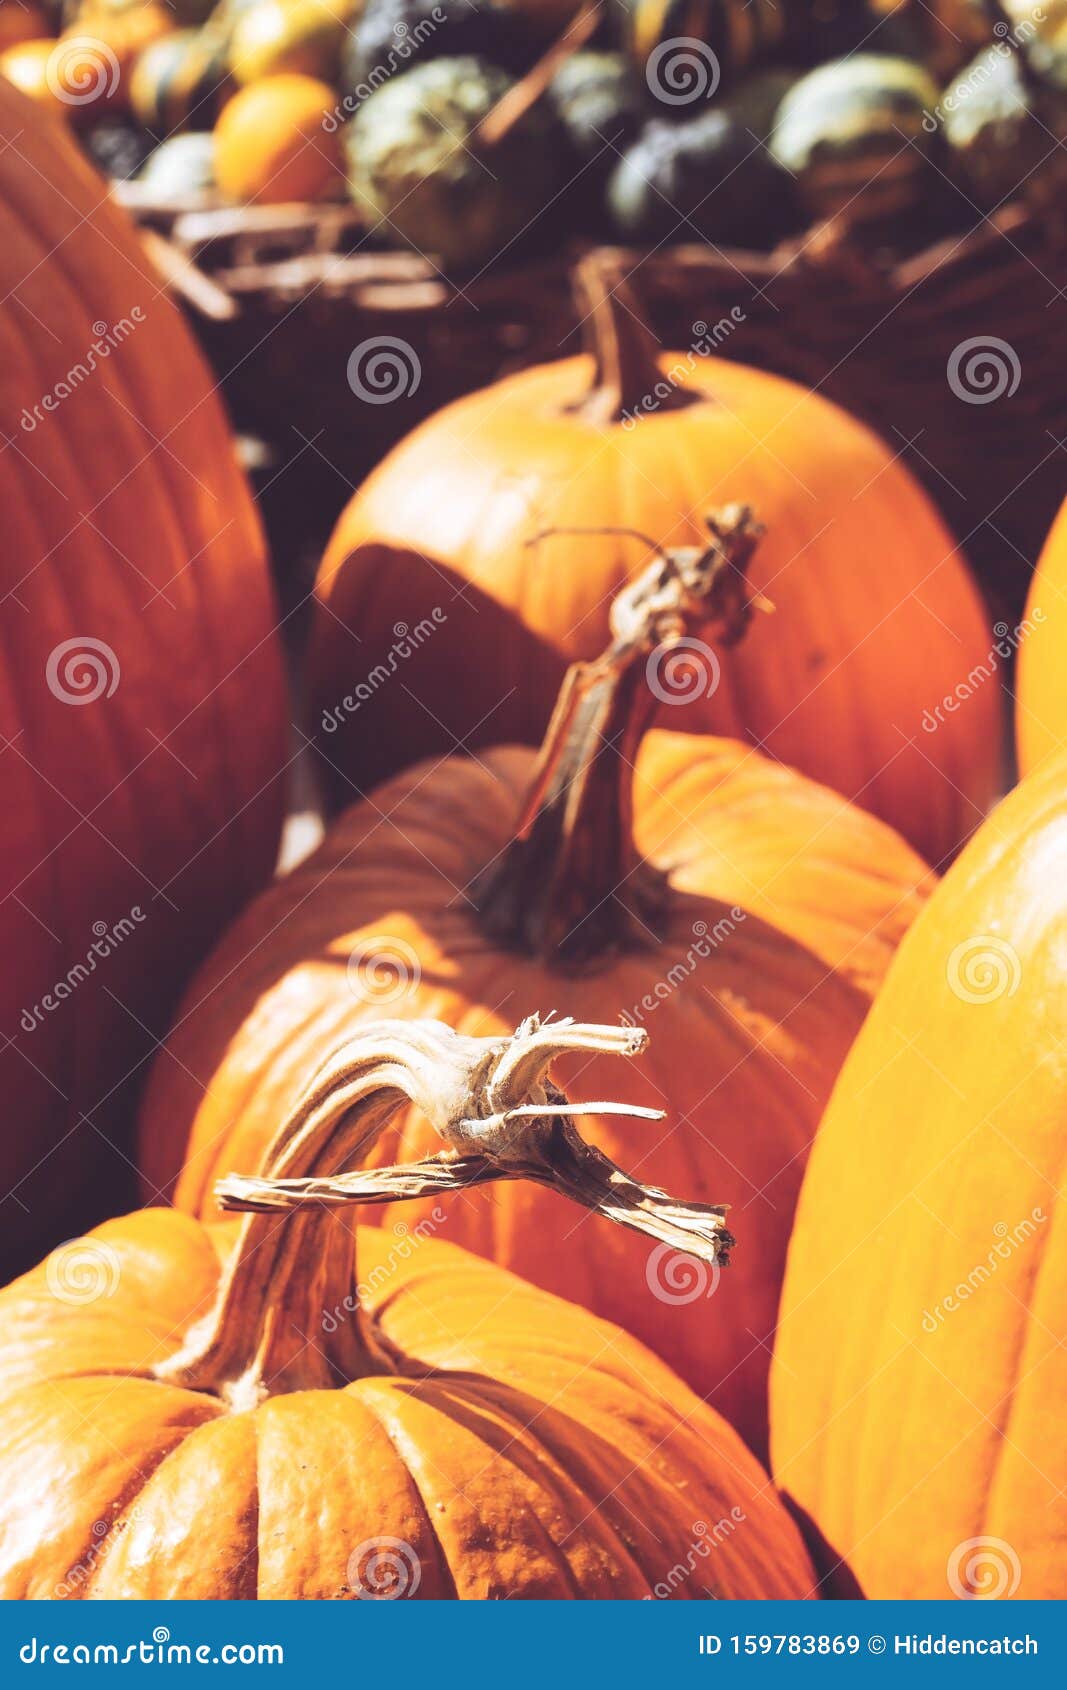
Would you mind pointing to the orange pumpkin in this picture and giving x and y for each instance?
(232, 1418)
(270, 144)
(750, 932)
(21, 22)
(1041, 682)
(142, 704)
(879, 617)
(91, 63)
(919, 1373)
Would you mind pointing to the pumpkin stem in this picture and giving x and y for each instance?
(571, 887)
(498, 1116)
(627, 380)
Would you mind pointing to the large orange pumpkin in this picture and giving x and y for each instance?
(232, 1418)
(141, 704)
(750, 934)
(920, 1372)
(879, 617)
(1041, 681)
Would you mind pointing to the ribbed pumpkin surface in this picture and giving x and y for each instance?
(919, 1376)
(521, 1448)
(141, 702)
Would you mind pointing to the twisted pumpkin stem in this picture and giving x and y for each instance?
(571, 888)
(498, 1116)
(627, 379)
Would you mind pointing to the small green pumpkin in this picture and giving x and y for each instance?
(857, 134)
(390, 37)
(659, 35)
(699, 179)
(756, 101)
(178, 82)
(1001, 124)
(413, 167)
(601, 104)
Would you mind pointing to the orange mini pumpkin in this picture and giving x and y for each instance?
(233, 1418)
(879, 616)
(270, 143)
(27, 65)
(750, 931)
(920, 1373)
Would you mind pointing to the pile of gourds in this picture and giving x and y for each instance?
(478, 129)
(610, 733)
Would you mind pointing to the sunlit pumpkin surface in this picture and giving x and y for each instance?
(920, 1372)
(785, 907)
(1041, 681)
(519, 1449)
(877, 617)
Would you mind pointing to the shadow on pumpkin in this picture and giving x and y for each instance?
(598, 1489)
(367, 693)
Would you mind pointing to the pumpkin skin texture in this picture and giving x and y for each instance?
(783, 908)
(877, 616)
(1041, 684)
(142, 699)
(496, 1443)
(918, 1381)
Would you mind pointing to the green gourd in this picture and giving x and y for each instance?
(857, 135)
(699, 179)
(178, 81)
(1001, 117)
(414, 167)
(735, 34)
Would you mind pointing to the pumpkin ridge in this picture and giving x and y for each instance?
(433, 1393)
(1014, 1363)
(544, 1462)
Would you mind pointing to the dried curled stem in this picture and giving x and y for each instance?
(519, 1128)
(571, 887)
